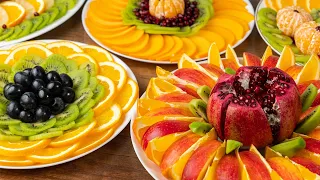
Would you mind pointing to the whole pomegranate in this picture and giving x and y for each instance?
(258, 105)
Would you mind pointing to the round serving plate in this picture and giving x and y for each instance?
(249, 7)
(125, 122)
(48, 28)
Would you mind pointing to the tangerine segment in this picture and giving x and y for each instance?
(128, 95)
(214, 56)
(158, 87)
(202, 46)
(154, 46)
(110, 91)
(229, 24)
(107, 119)
(213, 37)
(21, 148)
(81, 58)
(115, 72)
(92, 141)
(227, 35)
(50, 155)
(3, 55)
(65, 48)
(134, 47)
(15, 11)
(99, 54)
(35, 49)
(287, 59)
(15, 161)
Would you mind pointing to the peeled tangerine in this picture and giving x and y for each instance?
(307, 38)
(258, 105)
(166, 8)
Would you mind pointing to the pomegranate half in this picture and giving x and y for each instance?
(258, 105)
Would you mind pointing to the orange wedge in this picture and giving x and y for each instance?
(39, 5)
(99, 54)
(4, 17)
(158, 87)
(21, 148)
(15, 161)
(267, 53)
(30, 10)
(28, 43)
(287, 59)
(107, 119)
(214, 56)
(3, 55)
(65, 48)
(115, 72)
(50, 155)
(128, 95)
(310, 70)
(15, 11)
(110, 90)
(82, 58)
(231, 55)
(202, 46)
(21, 51)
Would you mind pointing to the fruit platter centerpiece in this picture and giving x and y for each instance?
(59, 101)
(233, 118)
(294, 23)
(160, 31)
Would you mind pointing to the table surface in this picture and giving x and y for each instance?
(117, 159)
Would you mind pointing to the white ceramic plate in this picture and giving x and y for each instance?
(126, 121)
(84, 15)
(48, 28)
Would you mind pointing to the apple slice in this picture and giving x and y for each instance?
(271, 61)
(251, 59)
(285, 168)
(309, 164)
(228, 168)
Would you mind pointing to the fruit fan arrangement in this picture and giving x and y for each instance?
(59, 100)
(232, 118)
(292, 24)
(20, 18)
(163, 30)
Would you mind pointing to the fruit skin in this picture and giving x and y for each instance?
(53, 76)
(37, 84)
(303, 86)
(251, 59)
(228, 168)
(45, 97)
(66, 80)
(14, 109)
(13, 92)
(271, 61)
(38, 72)
(307, 38)
(55, 87)
(68, 95)
(194, 76)
(285, 168)
(175, 97)
(26, 116)
(309, 164)
(57, 106)
(23, 79)
(43, 113)
(28, 101)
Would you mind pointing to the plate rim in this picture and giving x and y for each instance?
(124, 124)
(249, 7)
(48, 28)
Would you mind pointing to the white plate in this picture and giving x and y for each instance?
(126, 121)
(249, 7)
(48, 28)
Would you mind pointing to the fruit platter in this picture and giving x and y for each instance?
(60, 100)
(22, 20)
(160, 31)
(233, 118)
(289, 22)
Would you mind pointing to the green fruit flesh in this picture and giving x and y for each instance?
(70, 114)
(53, 12)
(69, 3)
(98, 93)
(6, 135)
(200, 128)
(290, 147)
(315, 13)
(87, 107)
(3, 79)
(265, 26)
(70, 65)
(5, 68)
(198, 108)
(16, 129)
(302, 59)
(62, 10)
(6, 33)
(230, 71)
(310, 122)
(89, 67)
(38, 127)
(308, 96)
(27, 61)
(6, 120)
(93, 83)
(268, 15)
(80, 79)
(278, 38)
(15, 34)
(26, 27)
(45, 21)
(36, 21)
(63, 127)
(232, 145)
(85, 119)
(204, 93)
(83, 98)
(45, 135)
(52, 63)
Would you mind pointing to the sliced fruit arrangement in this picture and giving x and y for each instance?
(58, 100)
(20, 18)
(294, 23)
(233, 118)
(163, 30)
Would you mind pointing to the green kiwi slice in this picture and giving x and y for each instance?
(16, 130)
(53, 13)
(268, 27)
(232, 145)
(93, 83)
(295, 49)
(303, 59)
(27, 61)
(310, 122)
(53, 63)
(315, 13)
(70, 65)
(3, 79)
(26, 27)
(278, 38)
(268, 15)
(62, 10)
(200, 128)
(83, 97)
(45, 135)
(87, 107)
(198, 108)
(6, 120)
(63, 127)
(98, 93)
(69, 3)
(5, 68)
(89, 67)
(6, 33)
(290, 147)
(3, 100)
(36, 21)
(70, 114)
(80, 79)
(6, 135)
(39, 126)
(45, 21)
(204, 93)
(15, 34)
(85, 119)
(308, 96)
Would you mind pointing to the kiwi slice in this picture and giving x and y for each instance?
(45, 135)
(232, 145)
(69, 3)
(70, 114)
(83, 97)
(85, 119)
(63, 127)
(198, 108)
(6, 33)
(3, 100)
(310, 122)
(3, 79)
(1, 30)
(303, 59)
(295, 49)
(93, 83)
(5, 68)
(45, 21)
(39, 126)
(278, 38)
(204, 93)
(80, 79)
(87, 107)
(6, 135)
(27, 61)
(62, 10)
(308, 96)
(36, 21)
(200, 128)
(89, 67)
(16, 130)
(268, 15)
(53, 13)
(70, 65)
(6, 120)
(15, 34)
(268, 27)
(98, 93)
(26, 27)
(290, 147)
(53, 63)
(315, 13)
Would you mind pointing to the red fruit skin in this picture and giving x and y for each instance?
(195, 76)
(255, 167)
(303, 86)
(312, 145)
(163, 128)
(174, 152)
(227, 63)
(188, 90)
(215, 70)
(251, 59)
(198, 160)
(175, 97)
(271, 61)
(307, 163)
(228, 168)
(169, 111)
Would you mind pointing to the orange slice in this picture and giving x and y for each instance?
(110, 91)
(310, 70)
(189, 47)
(50, 155)
(227, 35)
(120, 41)
(229, 24)
(267, 53)
(15, 11)
(128, 95)
(213, 37)
(21, 148)
(39, 5)
(28, 43)
(73, 136)
(202, 46)
(115, 72)
(4, 17)
(65, 48)
(158, 87)
(3, 55)
(287, 59)
(231, 55)
(15, 161)
(21, 51)
(214, 56)
(107, 119)
(83, 58)
(244, 15)
(174, 52)
(151, 49)
(169, 44)
(99, 54)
